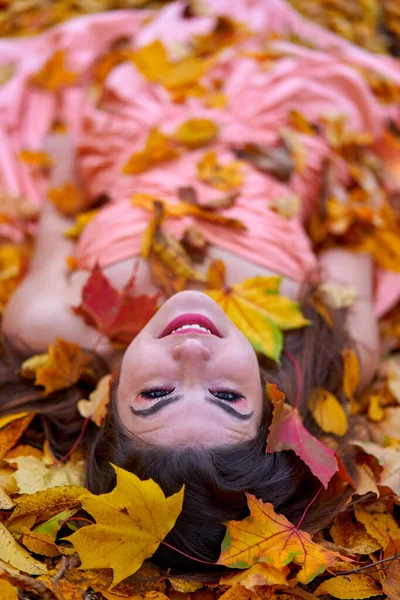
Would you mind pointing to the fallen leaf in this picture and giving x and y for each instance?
(389, 459)
(337, 296)
(14, 554)
(35, 158)
(257, 310)
(287, 206)
(7, 71)
(39, 543)
(351, 535)
(53, 75)
(52, 525)
(366, 482)
(63, 590)
(33, 475)
(81, 220)
(375, 410)
(276, 161)
(131, 522)
(355, 586)
(96, 406)
(67, 198)
(158, 149)
(328, 412)
(351, 377)
(184, 586)
(65, 366)
(380, 525)
(6, 419)
(390, 575)
(195, 133)
(118, 315)
(259, 574)
(236, 592)
(266, 536)
(7, 591)
(287, 432)
(195, 244)
(188, 195)
(300, 123)
(11, 433)
(226, 177)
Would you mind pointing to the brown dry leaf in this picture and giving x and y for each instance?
(195, 133)
(195, 244)
(41, 506)
(96, 406)
(158, 149)
(300, 123)
(273, 160)
(389, 459)
(53, 75)
(39, 543)
(7, 591)
(11, 433)
(33, 474)
(62, 589)
(225, 177)
(35, 158)
(14, 554)
(236, 592)
(380, 525)
(258, 574)
(351, 377)
(354, 587)
(170, 283)
(366, 482)
(188, 195)
(67, 198)
(65, 366)
(328, 412)
(10, 418)
(184, 586)
(390, 575)
(352, 535)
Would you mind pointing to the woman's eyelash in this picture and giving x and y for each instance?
(226, 395)
(154, 394)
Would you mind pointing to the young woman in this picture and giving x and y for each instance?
(189, 405)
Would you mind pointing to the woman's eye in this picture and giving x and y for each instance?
(154, 394)
(227, 395)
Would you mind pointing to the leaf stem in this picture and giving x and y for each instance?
(205, 562)
(76, 443)
(308, 506)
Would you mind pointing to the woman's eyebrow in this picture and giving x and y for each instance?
(147, 412)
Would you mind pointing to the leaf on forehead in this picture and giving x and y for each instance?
(96, 406)
(36, 158)
(287, 432)
(158, 149)
(259, 574)
(389, 459)
(225, 177)
(195, 244)
(328, 412)
(11, 433)
(189, 196)
(67, 198)
(106, 63)
(33, 474)
(81, 220)
(64, 365)
(118, 315)
(300, 123)
(54, 75)
(131, 522)
(195, 133)
(257, 310)
(14, 554)
(276, 161)
(268, 537)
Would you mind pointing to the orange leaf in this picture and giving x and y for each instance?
(65, 366)
(268, 537)
(36, 158)
(53, 75)
(67, 198)
(225, 177)
(195, 133)
(158, 149)
(259, 574)
(10, 434)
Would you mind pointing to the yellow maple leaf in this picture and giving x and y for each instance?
(268, 537)
(53, 75)
(131, 522)
(65, 366)
(159, 148)
(67, 198)
(195, 133)
(328, 412)
(225, 177)
(257, 310)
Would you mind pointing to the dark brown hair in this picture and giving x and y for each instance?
(215, 478)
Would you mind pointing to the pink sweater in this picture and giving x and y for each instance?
(316, 82)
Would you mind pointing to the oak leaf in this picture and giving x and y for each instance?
(158, 149)
(195, 133)
(131, 522)
(328, 412)
(389, 459)
(53, 75)
(96, 406)
(257, 310)
(64, 366)
(287, 432)
(14, 554)
(118, 315)
(268, 537)
(225, 177)
(346, 587)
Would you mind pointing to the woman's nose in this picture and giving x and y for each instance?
(192, 350)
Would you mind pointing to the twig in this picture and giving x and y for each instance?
(67, 563)
(31, 584)
(378, 562)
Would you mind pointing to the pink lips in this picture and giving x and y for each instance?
(190, 319)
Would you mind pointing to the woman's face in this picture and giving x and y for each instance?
(190, 386)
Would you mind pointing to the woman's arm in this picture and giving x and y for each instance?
(356, 269)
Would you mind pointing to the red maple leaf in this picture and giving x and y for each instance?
(118, 315)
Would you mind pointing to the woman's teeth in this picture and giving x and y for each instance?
(193, 326)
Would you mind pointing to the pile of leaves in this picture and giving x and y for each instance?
(59, 541)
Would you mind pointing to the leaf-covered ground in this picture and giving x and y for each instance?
(57, 540)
